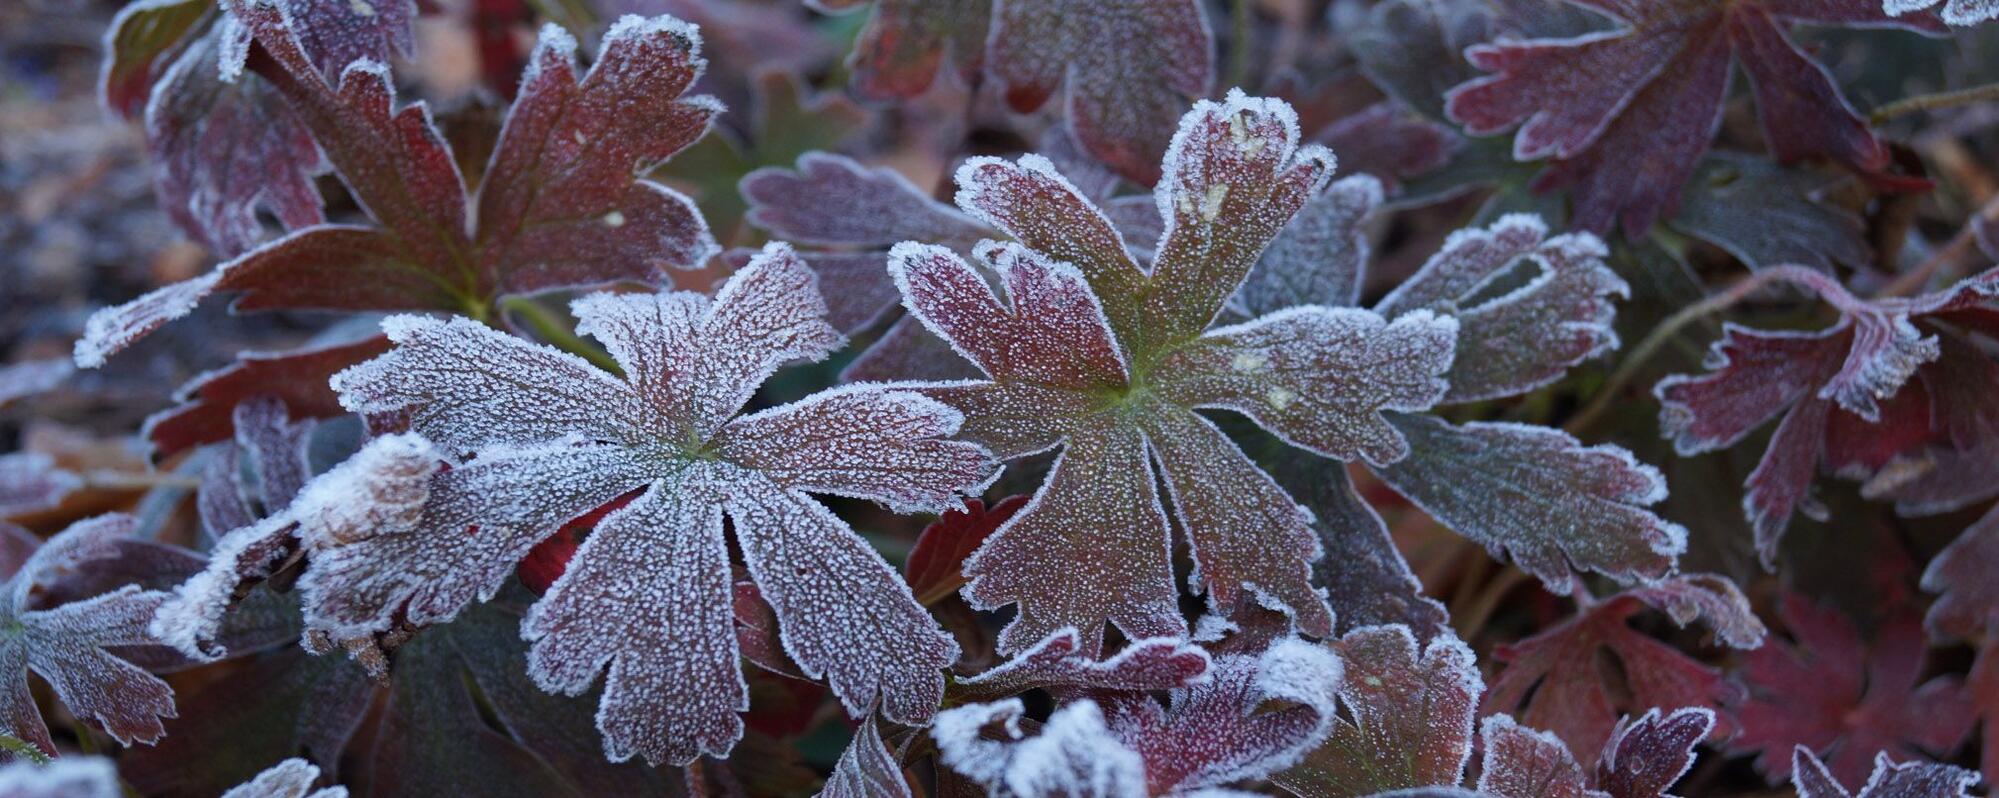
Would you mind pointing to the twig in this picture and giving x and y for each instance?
(550, 329)
(1930, 102)
(1943, 265)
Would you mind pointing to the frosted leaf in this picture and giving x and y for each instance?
(292, 778)
(191, 620)
(908, 351)
(1320, 378)
(562, 206)
(1539, 497)
(831, 200)
(866, 769)
(1408, 720)
(1074, 753)
(1528, 763)
(934, 568)
(1090, 353)
(674, 686)
(1098, 521)
(1955, 12)
(1529, 335)
(142, 35)
(1058, 662)
(67, 644)
(1889, 779)
(1765, 214)
(1967, 597)
(31, 377)
(1250, 541)
(1366, 579)
(1390, 141)
(1644, 757)
(1320, 258)
(1233, 178)
(662, 436)
(1121, 98)
(905, 43)
(1555, 679)
(77, 776)
(277, 448)
(31, 482)
(1214, 732)
(1053, 334)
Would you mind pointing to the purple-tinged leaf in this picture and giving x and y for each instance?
(831, 200)
(81, 776)
(1767, 215)
(561, 438)
(1521, 762)
(934, 568)
(66, 644)
(207, 403)
(141, 35)
(1839, 695)
(1644, 757)
(31, 482)
(1554, 679)
(1889, 779)
(1530, 335)
(1058, 662)
(1538, 497)
(866, 769)
(292, 778)
(1121, 99)
(905, 43)
(1321, 257)
(1408, 719)
(1367, 581)
(1390, 143)
(1955, 12)
(1961, 575)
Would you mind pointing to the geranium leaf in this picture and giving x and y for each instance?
(292, 778)
(1120, 100)
(1655, 86)
(1521, 762)
(1538, 496)
(866, 769)
(1408, 720)
(139, 37)
(1955, 12)
(31, 482)
(1889, 779)
(906, 43)
(935, 566)
(207, 403)
(535, 417)
(1058, 662)
(1860, 698)
(1765, 214)
(81, 776)
(1553, 679)
(1643, 757)
(562, 206)
(66, 644)
(1967, 599)
(1321, 257)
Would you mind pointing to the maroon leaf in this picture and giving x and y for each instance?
(1390, 143)
(1889, 780)
(562, 206)
(1835, 694)
(1059, 662)
(1644, 757)
(31, 482)
(1528, 763)
(66, 644)
(935, 567)
(1961, 575)
(1841, 392)
(1554, 679)
(1627, 114)
(551, 437)
(866, 769)
(139, 38)
(1121, 99)
(1408, 720)
(905, 43)
(298, 379)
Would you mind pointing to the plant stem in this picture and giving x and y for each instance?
(1930, 102)
(1239, 42)
(551, 329)
(1629, 368)
(1944, 263)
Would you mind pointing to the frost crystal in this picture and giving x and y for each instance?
(292, 778)
(1095, 354)
(66, 644)
(76, 776)
(1408, 720)
(538, 437)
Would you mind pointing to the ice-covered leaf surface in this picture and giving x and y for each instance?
(1538, 496)
(205, 413)
(1644, 757)
(1961, 575)
(292, 778)
(1955, 12)
(1890, 779)
(1058, 662)
(80, 776)
(1846, 697)
(1254, 715)
(1091, 352)
(539, 437)
(1367, 580)
(1553, 680)
(906, 44)
(1321, 257)
(1408, 719)
(1522, 762)
(66, 644)
(1128, 69)
(139, 38)
(1626, 114)
(562, 206)
(1851, 395)
(866, 769)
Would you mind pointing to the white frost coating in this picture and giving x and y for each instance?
(1321, 256)
(231, 54)
(551, 42)
(77, 776)
(1523, 762)
(292, 778)
(192, 619)
(28, 378)
(866, 769)
(1074, 755)
(30, 481)
(381, 489)
(1889, 779)
(633, 26)
(111, 329)
(1963, 13)
(1175, 166)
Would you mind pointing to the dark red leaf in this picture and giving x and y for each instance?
(207, 405)
(935, 568)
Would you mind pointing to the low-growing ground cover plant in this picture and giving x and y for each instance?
(1000, 397)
